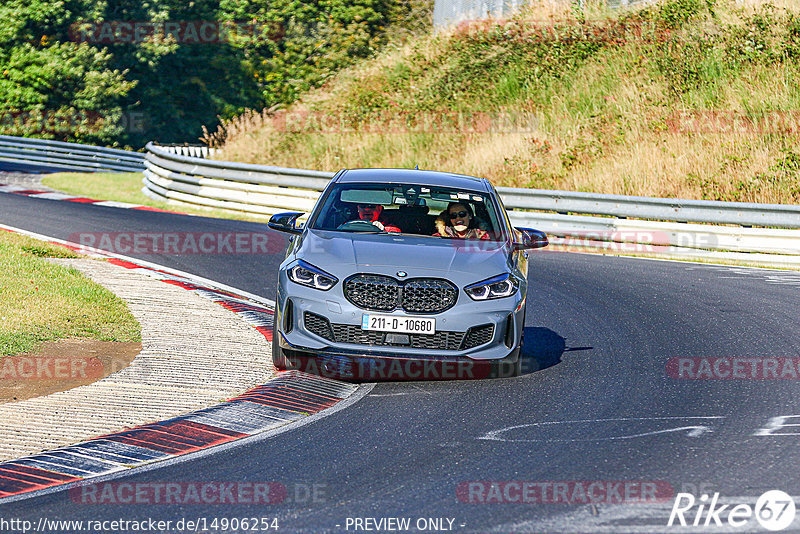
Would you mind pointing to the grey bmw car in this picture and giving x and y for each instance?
(402, 274)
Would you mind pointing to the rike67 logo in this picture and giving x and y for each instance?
(774, 510)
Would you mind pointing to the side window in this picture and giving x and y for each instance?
(504, 220)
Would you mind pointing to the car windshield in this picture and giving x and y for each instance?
(409, 209)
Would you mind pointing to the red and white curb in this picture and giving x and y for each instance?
(289, 397)
(55, 195)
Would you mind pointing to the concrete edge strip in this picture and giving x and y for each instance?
(288, 398)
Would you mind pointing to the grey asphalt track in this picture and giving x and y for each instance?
(596, 404)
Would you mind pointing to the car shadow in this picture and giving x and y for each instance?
(542, 348)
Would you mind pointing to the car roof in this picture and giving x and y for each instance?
(414, 176)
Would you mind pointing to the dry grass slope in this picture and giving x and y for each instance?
(687, 98)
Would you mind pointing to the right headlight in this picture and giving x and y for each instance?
(497, 287)
(305, 274)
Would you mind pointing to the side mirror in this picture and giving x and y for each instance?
(286, 222)
(531, 239)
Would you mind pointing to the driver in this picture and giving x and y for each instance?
(372, 213)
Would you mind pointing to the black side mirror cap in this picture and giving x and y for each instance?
(285, 222)
(531, 239)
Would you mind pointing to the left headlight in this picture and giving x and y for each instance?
(497, 287)
(305, 274)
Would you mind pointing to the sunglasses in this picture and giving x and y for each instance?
(458, 215)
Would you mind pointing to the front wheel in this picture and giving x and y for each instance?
(511, 365)
(278, 358)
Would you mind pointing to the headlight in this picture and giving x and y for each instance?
(494, 288)
(307, 275)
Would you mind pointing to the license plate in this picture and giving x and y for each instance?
(393, 323)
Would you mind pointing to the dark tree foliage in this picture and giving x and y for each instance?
(62, 77)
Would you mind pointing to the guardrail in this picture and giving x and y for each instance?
(685, 227)
(61, 156)
(258, 189)
(763, 233)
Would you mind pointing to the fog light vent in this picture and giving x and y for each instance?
(288, 316)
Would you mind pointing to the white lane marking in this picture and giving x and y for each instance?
(778, 423)
(115, 204)
(52, 196)
(770, 276)
(13, 188)
(692, 430)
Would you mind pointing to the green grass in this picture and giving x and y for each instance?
(119, 186)
(126, 187)
(41, 301)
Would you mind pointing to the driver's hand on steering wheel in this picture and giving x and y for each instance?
(378, 224)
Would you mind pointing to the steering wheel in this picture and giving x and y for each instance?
(359, 226)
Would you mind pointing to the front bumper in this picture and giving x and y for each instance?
(505, 315)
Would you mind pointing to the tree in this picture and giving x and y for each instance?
(53, 89)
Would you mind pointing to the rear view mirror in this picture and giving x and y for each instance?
(367, 196)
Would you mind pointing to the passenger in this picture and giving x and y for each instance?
(459, 221)
(372, 213)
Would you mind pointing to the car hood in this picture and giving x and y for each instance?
(346, 253)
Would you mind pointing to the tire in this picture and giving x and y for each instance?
(521, 343)
(516, 363)
(511, 365)
(278, 357)
(517, 369)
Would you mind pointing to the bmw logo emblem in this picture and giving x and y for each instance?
(402, 274)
